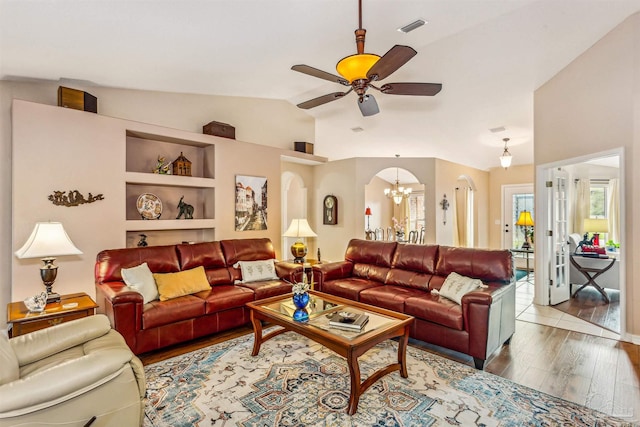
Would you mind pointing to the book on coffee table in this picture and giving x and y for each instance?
(348, 320)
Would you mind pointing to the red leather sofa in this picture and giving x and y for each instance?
(157, 324)
(400, 277)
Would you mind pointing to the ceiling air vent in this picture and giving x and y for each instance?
(412, 26)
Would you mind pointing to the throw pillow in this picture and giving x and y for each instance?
(140, 279)
(173, 285)
(255, 271)
(455, 286)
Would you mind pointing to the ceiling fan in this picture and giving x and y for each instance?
(362, 69)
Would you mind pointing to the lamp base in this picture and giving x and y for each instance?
(53, 297)
(526, 245)
(299, 251)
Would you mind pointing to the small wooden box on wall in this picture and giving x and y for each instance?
(219, 129)
(77, 99)
(303, 147)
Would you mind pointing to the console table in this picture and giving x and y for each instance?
(591, 273)
(526, 253)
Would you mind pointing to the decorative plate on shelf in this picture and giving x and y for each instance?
(149, 206)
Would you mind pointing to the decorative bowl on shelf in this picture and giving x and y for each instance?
(36, 303)
(149, 206)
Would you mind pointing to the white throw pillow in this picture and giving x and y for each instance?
(141, 280)
(455, 286)
(255, 271)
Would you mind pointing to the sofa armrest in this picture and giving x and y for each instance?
(285, 270)
(331, 271)
(123, 307)
(61, 382)
(489, 317)
(40, 344)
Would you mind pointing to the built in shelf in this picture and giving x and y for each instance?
(169, 224)
(168, 180)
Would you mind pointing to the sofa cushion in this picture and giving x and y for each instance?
(435, 309)
(408, 279)
(210, 256)
(160, 313)
(267, 288)
(349, 287)
(173, 285)
(256, 271)
(389, 297)
(141, 280)
(372, 252)
(225, 297)
(455, 286)
(489, 265)
(247, 250)
(419, 258)
(110, 262)
(9, 368)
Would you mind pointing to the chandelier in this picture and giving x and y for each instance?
(396, 192)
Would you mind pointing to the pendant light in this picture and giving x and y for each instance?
(505, 159)
(396, 192)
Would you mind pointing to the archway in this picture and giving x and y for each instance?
(410, 212)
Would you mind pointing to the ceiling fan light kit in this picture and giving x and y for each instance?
(359, 71)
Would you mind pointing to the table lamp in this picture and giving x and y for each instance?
(299, 228)
(47, 241)
(367, 213)
(526, 221)
(595, 226)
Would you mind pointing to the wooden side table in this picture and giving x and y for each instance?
(23, 321)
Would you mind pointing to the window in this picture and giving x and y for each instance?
(598, 199)
(416, 211)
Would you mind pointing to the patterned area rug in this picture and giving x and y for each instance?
(296, 382)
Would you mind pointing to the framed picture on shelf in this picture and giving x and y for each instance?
(251, 203)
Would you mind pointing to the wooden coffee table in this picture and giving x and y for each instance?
(383, 324)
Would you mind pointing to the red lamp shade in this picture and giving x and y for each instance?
(367, 211)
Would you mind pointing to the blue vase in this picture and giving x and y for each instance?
(301, 300)
(300, 315)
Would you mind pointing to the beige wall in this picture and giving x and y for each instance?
(266, 122)
(591, 106)
(498, 176)
(445, 181)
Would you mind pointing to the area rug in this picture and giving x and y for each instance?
(296, 382)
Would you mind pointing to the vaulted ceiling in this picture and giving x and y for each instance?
(489, 55)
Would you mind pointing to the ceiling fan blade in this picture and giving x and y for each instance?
(420, 89)
(305, 69)
(368, 105)
(322, 100)
(390, 62)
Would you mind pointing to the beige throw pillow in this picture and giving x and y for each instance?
(140, 279)
(173, 285)
(255, 271)
(455, 286)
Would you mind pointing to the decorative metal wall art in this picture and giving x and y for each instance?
(445, 205)
(74, 198)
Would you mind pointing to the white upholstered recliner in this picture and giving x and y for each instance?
(67, 374)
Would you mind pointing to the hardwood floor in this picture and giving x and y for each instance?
(600, 373)
(589, 305)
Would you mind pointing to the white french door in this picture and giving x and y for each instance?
(557, 192)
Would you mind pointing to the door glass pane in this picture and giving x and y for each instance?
(521, 202)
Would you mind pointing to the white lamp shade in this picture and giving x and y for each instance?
(48, 239)
(299, 228)
(591, 225)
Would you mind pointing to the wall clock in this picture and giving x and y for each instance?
(330, 210)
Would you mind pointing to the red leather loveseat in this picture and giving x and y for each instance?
(400, 277)
(157, 324)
